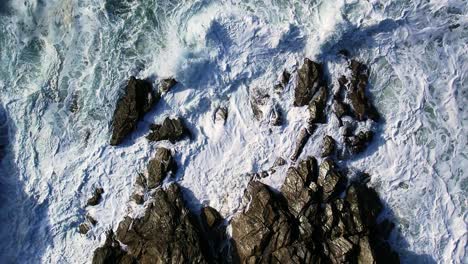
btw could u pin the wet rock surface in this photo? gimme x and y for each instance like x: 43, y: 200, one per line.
x: 159, y: 166
x: 309, y: 80
x: 138, y: 99
x: 96, y: 198
x: 317, y: 216
x: 304, y: 224
x: 167, y: 84
x: 170, y: 129
x: 167, y: 233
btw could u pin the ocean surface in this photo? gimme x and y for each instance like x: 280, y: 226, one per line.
x: 64, y: 64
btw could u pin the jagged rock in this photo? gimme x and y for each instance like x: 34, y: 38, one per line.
x: 330, y: 180
x: 138, y: 100
x: 296, y: 186
x: 304, y: 135
x: 258, y: 98
x: 310, y: 78
x: 211, y: 217
x: 317, y: 106
x: 111, y: 252
x: 263, y: 228
x: 357, y: 144
x: 279, y: 162
x: 167, y: 233
x: 328, y: 146
x: 159, y: 166
x: 96, y: 198
x: 362, y: 107
x: 91, y: 220
x: 167, y: 84
x: 171, y: 129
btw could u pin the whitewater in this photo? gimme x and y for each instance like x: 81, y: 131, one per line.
x: 64, y: 64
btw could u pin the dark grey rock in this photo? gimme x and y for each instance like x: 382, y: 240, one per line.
x: 138, y: 99
x: 317, y: 106
x: 159, y: 166
x: 84, y: 228
x: 96, y: 198
x: 111, y: 252
x: 167, y: 233
x: 171, y: 129
x: 310, y: 78
x: 303, y: 137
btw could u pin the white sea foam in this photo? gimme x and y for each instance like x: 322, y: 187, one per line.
x: 54, y: 52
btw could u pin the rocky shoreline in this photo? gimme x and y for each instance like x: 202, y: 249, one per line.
x: 318, y: 216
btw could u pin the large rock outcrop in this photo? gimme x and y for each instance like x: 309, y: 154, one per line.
x: 167, y: 233
x: 138, y: 99
x: 304, y: 224
x: 170, y: 129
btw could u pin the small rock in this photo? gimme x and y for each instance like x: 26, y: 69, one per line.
x: 276, y: 118
x: 285, y: 77
x: 91, y: 220
x: 167, y: 84
x: 328, y: 146
x: 221, y: 115
x: 96, y: 198
x: 83, y: 228
x: 171, y: 129
x: 138, y: 198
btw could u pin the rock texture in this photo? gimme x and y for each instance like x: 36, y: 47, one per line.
x: 167, y: 84
x: 96, y: 198
x: 305, y: 224
x: 170, y: 129
x: 159, y: 166
x: 309, y: 80
x: 138, y: 99
x: 167, y: 233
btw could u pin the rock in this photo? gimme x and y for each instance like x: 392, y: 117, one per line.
x: 171, y: 129
x: 310, y: 78
x: 285, y: 77
x: 279, y: 162
x: 137, y: 101
x: 167, y: 84
x: 83, y: 228
x: 357, y: 144
x: 159, y: 166
x: 296, y: 186
x: 330, y: 180
x: 138, y: 198
x: 96, y: 198
x: 276, y: 117
x: 167, y: 233
x: 328, y: 146
x: 362, y: 107
x: 211, y: 217
x: 91, y: 220
x: 304, y: 135
x: 221, y: 115
x: 317, y: 106
x: 111, y: 252
x: 263, y: 228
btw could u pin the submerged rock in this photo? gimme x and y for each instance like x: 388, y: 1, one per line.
x: 96, y: 198
x: 220, y: 115
x: 170, y: 129
x: 159, y: 166
x: 309, y: 80
x: 138, y: 99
